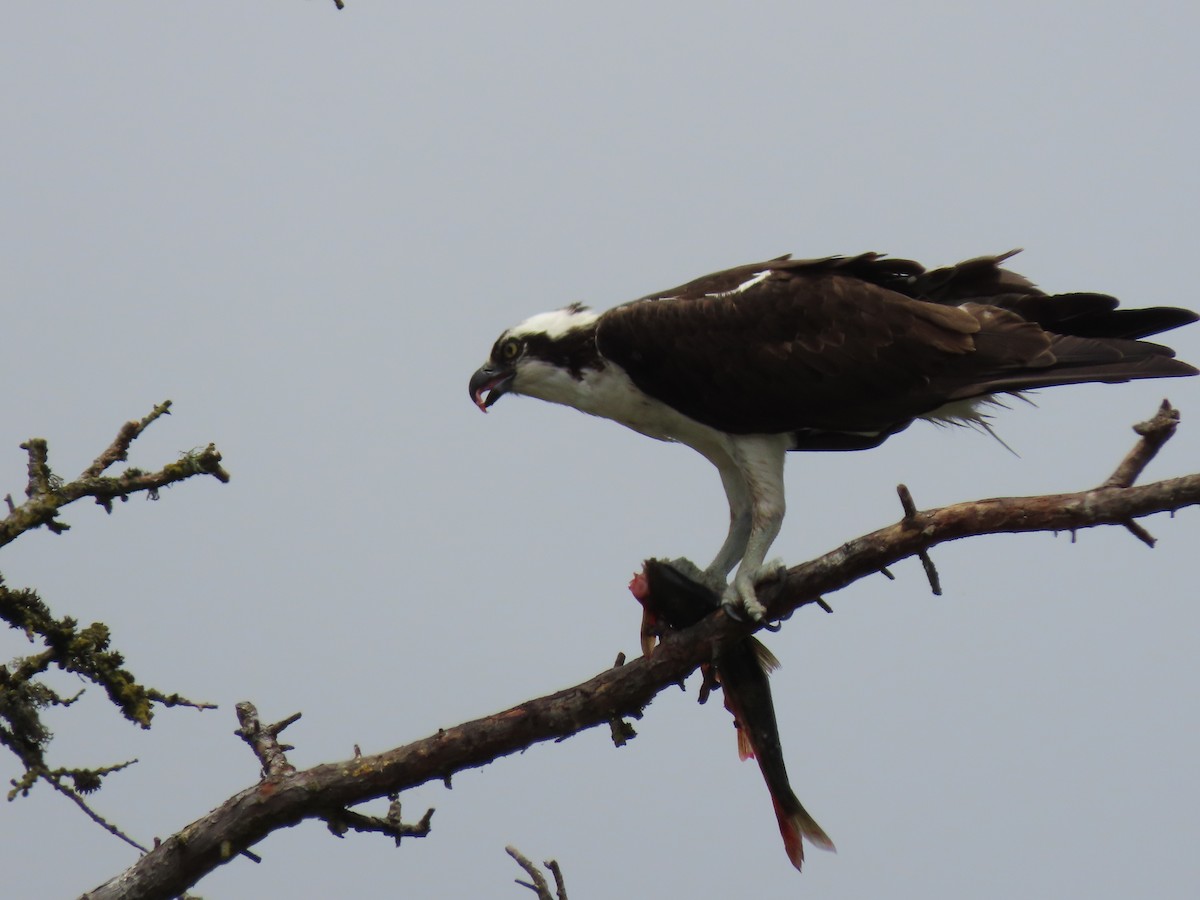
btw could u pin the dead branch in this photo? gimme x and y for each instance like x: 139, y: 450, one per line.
x: 1155, y: 432
x: 910, y: 515
x: 47, y: 493
x: 244, y: 819
x: 392, y: 825
x: 537, y: 882
x: 83, y: 651
x: 74, y: 796
x: 264, y: 740
x: 118, y: 450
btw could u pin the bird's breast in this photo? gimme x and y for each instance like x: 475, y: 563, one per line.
x: 610, y: 393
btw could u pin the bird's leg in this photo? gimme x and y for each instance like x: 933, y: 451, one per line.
x: 737, y: 492
x: 760, y: 461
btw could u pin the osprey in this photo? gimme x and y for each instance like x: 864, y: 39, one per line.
x: 827, y: 354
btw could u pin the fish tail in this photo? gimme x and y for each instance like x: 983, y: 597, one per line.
x: 795, y: 823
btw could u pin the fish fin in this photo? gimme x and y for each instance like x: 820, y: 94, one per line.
x: 765, y: 657
x: 799, y: 824
x: 745, y: 747
x: 648, y: 633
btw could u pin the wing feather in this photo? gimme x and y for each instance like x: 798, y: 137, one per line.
x: 801, y: 349
x: 862, y: 345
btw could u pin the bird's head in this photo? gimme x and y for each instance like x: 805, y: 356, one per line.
x: 542, y: 357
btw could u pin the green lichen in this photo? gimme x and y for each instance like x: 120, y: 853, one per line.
x: 24, y: 695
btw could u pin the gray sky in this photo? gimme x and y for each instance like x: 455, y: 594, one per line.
x: 307, y: 227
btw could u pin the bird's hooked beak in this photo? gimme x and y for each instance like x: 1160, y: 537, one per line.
x: 489, y: 383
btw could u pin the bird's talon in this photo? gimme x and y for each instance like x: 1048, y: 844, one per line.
x: 740, y: 597
x: 734, y: 610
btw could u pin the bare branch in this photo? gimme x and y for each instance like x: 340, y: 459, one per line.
x: 391, y: 825
x: 48, y: 494
x: 177, y: 700
x: 247, y: 817
x: 264, y: 740
x: 539, y: 884
x: 118, y: 450
x: 622, y: 732
x: 75, y: 798
x: 1155, y: 432
x: 559, y: 884
x: 1012, y: 515
x: 39, y: 466
x: 84, y: 651
x: 910, y: 518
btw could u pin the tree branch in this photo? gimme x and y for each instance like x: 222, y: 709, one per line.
x: 537, y: 882
x: 246, y: 818
x: 118, y: 450
x: 73, y: 795
x: 1154, y: 432
x: 264, y: 740
x: 84, y: 651
x: 47, y: 493
x: 343, y: 820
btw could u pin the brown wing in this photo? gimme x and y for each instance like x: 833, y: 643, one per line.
x: 801, y: 349
x: 902, y: 275
x: 843, y: 345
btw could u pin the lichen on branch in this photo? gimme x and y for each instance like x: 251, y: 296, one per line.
x: 84, y: 651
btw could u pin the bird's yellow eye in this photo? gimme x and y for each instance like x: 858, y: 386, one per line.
x: 510, y: 350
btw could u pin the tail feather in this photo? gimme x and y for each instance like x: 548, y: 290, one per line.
x: 1015, y: 354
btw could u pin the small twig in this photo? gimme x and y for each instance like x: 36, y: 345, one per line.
x: 178, y: 700
x: 931, y: 572
x: 42, y: 484
x: 264, y: 740
x: 539, y: 884
x: 622, y: 732
x: 1140, y: 533
x: 1154, y: 432
x: 560, y: 883
x: 118, y: 450
x: 91, y: 813
x: 391, y: 825
x: 38, y: 468
x: 910, y: 519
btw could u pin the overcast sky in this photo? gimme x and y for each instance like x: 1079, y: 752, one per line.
x: 307, y: 227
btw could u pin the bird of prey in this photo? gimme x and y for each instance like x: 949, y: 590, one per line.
x: 671, y: 601
x: 824, y: 354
